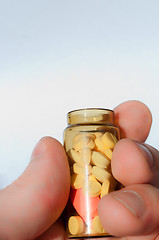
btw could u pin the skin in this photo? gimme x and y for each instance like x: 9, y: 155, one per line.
x: 31, y: 206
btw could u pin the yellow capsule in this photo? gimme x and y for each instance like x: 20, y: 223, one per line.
x: 108, y: 152
x: 100, y: 160
x: 98, y: 134
x: 81, y: 143
x: 83, y: 135
x: 77, y: 181
x: 86, y: 170
x: 92, y: 187
x: 85, y: 156
x: 114, y: 138
x: 73, y: 155
x: 105, y: 188
x: 97, y: 225
x: 76, y: 225
x: 100, y: 174
x: 91, y: 144
x: 99, y: 144
x: 108, y: 140
x: 84, y: 142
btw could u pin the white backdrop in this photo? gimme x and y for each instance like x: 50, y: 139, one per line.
x: 56, y: 56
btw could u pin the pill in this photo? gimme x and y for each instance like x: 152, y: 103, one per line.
x: 108, y: 185
x: 99, y: 144
x: 105, y: 188
x: 81, y: 202
x: 92, y: 187
x: 78, y: 136
x: 77, y: 181
x: 97, y: 225
x: 100, y: 174
x: 114, y: 138
x: 82, y: 135
x: 76, y: 225
x: 92, y: 136
x: 86, y: 170
x: 100, y: 160
x: 91, y: 144
x: 98, y: 134
x: 108, y: 140
x: 81, y: 143
x: 108, y: 152
x: 85, y: 156
x: 73, y: 155
x: 82, y: 140
x: 85, y: 142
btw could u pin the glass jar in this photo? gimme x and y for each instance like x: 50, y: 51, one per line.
x: 89, y: 141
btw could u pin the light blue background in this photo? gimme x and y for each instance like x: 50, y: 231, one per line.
x: 56, y: 56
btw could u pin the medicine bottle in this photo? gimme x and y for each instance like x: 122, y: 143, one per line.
x: 89, y: 141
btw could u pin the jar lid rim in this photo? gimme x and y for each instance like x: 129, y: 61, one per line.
x: 89, y: 109
x: 90, y: 115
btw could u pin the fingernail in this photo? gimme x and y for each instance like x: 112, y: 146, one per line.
x: 147, y: 154
x: 131, y: 200
x: 39, y: 150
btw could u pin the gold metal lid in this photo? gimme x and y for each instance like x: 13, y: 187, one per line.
x: 91, y: 116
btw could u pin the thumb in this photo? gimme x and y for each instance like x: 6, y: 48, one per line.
x: 37, y: 198
x: 132, y: 211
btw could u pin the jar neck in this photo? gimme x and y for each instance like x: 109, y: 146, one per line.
x: 91, y: 116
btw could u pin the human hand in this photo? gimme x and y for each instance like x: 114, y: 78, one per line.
x: 33, y: 202
x: 31, y: 205
x: 133, y: 212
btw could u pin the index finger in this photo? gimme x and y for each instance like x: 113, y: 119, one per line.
x: 134, y: 120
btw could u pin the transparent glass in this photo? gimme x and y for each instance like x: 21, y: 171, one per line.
x: 89, y: 141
